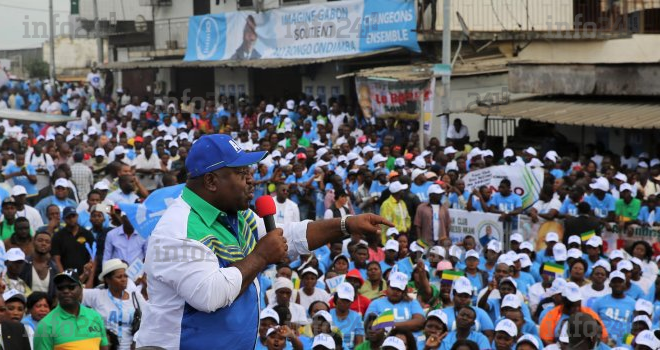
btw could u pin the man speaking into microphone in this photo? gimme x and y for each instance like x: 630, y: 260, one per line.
x: 207, y: 250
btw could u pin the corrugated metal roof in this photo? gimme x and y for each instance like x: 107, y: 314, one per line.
x: 599, y: 112
x: 261, y: 63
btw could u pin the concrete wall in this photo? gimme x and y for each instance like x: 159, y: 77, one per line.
x: 120, y: 10
x: 225, y: 78
x: 73, y: 54
x: 325, y: 81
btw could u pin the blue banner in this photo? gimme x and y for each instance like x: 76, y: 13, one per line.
x: 145, y: 216
x: 307, y: 31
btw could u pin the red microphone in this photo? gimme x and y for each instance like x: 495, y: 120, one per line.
x: 265, y: 208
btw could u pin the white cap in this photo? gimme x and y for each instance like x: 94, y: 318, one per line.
x: 438, y: 250
x: 574, y: 253
x: 642, y: 164
x: 530, y: 150
x: 416, y: 173
x: 13, y: 293
x: 91, y: 131
x: 425, y: 153
x: 595, y: 241
x: 526, y: 338
x: 559, y: 252
x: 345, y: 291
x: 507, y: 326
x: 393, y: 342
x: 284, y: 111
x: 510, y: 280
x: 644, y: 305
x: 644, y: 155
x: 309, y: 270
x: 643, y: 318
x: 511, y: 255
x: 419, y: 162
x: 321, y: 163
x: 558, y: 285
x: 391, y: 232
x: 572, y: 292
x: 616, y: 254
x: 396, y: 187
x: 351, y: 156
x: 324, y: 340
x: 398, y: 280
x: 624, y: 265
x: 636, y: 261
x: 512, y: 301
x: 269, y: 313
x: 535, y: 163
x: 368, y: 149
x: 450, y: 150
x: 495, y: 246
x: 601, y: 183
x: 527, y: 245
x: 654, y: 162
x: 439, y: 314
x: 392, y: 245
x: 379, y: 158
x: 18, y: 190
x: 487, y: 153
x: 455, y: 251
x: 271, y: 330
x: 504, y: 259
x: 62, y: 182
x: 574, y: 239
x: 551, y: 237
x: 15, y: 254
x: 119, y: 150
x: 602, y: 263
x: 101, y: 185
x: 325, y: 315
x: 626, y: 187
x: 552, y: 155
x: 282, y: 283
x: 414, y: 247
x: 99, y: 152
x: 462, y: 285
x: 647, y: 338
x: 435, y: 189
x: 319, y: 153
x: 516, y: 237
x: 471, y: 254
x: 508, y: 153
x: 290, y: 104
x: 621, y: 177
x: 525, y: 261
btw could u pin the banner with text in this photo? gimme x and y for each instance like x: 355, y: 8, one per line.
x: 484, y: 227
x: 525, y: 182
x: 396, y: 99
x: 306, y: 31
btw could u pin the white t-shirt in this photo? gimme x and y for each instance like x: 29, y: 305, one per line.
x: 54, y: 108
x: 113, y: 312
x: 94, y: 79
x: 286, y: 212
x: 318, y: 295
x: 328, y: 213
x: 436, y: 221
x: 544, y: 207
x: 535, y: 292
x: 452, y: 133
x: 142, y: 162
x: 589, y: 293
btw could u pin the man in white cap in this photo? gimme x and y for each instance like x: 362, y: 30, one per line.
x: 432, y: 219
x: 394, y: 208
x: 627, y: 207
x: 23, y: 210
x: 60, y: 197
x: 601, y: 201
x: 283, y: 288
x: 346, y: 320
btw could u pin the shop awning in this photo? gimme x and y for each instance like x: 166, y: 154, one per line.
x: 262, y: 63
x: 35, y: 117
x: 610, y: 112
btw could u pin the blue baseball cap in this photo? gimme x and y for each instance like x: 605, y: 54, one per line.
x: 212, y: 152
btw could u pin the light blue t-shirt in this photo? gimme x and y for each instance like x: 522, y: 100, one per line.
x: 601, y: 208
x: 506, y: 204
x: 453, y: 199
x: 476, y: 337
x: 350, y: 327
x: 403, y: 310
x: 23, y: 180
x: 524, y: 281
x: 644, y: 215
x: 421, y: 191
x: 568, y: 207
x: 617, y: 315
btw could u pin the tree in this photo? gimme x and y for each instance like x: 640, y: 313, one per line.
x: 37, y: 69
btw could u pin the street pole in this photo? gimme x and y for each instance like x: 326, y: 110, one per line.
x: 97, y: 29
x: 446, y: 60
x: 51, y: 42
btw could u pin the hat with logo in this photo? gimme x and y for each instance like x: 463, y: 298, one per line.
x: 462, y: 285
x: 18, y: 190
x: 435, y: 189
x: 647, y: 338
x: 346, y: 291
x: 398, y: 280
x: 61, y: 182
x: 471, y: 254
x: 325, y: 315
x: 601, y: 183
x: 624, y: 265
x: 269, y: 313
x: 68, y: 275
x: 101, y: 186
x: 527, y: 245
x: 440, y: 315
x: 69, y: 211
x: 507, y: 326
x: 13, y: 294
x: 325, y: 341
x: 574, y: 239
x: 494, y: 246
x: 393, y: 342
x: 572, y: 292
x: 438, y: 250
x: 644, y: 306
x: 617, y: 274
x: 392, y: 245
x: 603, y: 264
x: 512, y: 301
x: 525, y: 261
x: 212, y: 152
x: 529, y: 339
x: 551, y: 237
x: 15, y: 254
x: 516, y: 237
x: 574, y: 253
x: 530, y: 150
x: 559, y: 252
x: 616, y: 254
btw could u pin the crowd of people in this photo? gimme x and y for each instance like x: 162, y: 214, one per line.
x: 68, y: 246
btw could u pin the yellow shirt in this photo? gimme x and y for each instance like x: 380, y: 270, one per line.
x: 397, y: 213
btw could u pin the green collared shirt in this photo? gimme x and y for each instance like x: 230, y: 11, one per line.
x: 60, y: 330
